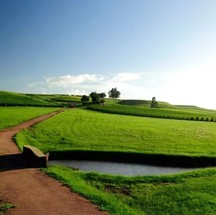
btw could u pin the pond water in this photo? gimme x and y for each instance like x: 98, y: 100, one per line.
x: 127, y: 169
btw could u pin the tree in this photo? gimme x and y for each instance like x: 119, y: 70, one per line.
x: 95, y: 97
x: 85, y: 99
x: 102, y: 95
x: 102, y: 101
x: 154, y: 103
x: 114, y: 93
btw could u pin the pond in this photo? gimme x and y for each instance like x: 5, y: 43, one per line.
x: 127, y: 169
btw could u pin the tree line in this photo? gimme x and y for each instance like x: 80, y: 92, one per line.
x: 98, y: 98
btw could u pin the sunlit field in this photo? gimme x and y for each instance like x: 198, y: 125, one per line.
x: 10, y: 116
x: 173, y: 112
x: 89, y: 130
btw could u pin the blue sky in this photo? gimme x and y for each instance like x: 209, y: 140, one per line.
x: 145, y: 48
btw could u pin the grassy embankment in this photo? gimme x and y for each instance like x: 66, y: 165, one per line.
x: 185, y: 193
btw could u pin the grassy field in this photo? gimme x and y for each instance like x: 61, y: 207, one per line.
x: 90, y: 130
x: 144, y: 103
x: 18, y: 99
x: 56, y: 98
x: 185, y: 193
x: 196, y: 114
x: 10, y: 116
x: 129, y: 131
x: 37, y: 100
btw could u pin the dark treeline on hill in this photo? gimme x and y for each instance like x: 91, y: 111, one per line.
x: 98, y: 98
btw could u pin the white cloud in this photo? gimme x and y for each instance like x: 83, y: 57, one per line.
x: 88, y: 79
x: 193, y: 85
x: 85, y: 83
x: 68, y: 80
x: 125, y: 77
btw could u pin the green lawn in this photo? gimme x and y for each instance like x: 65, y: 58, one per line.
x: 10, y: 116
x: 90, y: 130
x: 185, y: 193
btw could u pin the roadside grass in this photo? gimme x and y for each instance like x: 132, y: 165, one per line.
x: 10, y: 116
x: 4, y: 206
x: 195, y: 114
x: 81, y: 129
x: 186, y: 193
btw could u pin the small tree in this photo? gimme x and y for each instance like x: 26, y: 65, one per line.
x: 114, y: 93
x: 102, y: 95
x: 102, y: 101
x: 85, y: 99
x: 154, y: 103
x: 95, y: 97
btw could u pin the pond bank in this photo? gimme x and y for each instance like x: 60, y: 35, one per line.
x: 136, y: 158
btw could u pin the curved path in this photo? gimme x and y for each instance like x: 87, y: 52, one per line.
x: 29, y: 189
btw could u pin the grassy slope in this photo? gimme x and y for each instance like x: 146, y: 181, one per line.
x: 18, y: 99
x: 89, y: 130
x: 197, y: 114
x: 144, y: 103
x: 187, y: 193
x: 56, y: 97
x: 10, y: 116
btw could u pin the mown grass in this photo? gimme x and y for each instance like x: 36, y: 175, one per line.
x: 10, y: 116
x: 196, y: 114
x: 81, y: 129
x: 185, y: 193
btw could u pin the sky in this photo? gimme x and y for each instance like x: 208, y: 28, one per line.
x: 145, y: 48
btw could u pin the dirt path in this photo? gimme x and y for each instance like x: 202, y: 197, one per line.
x: 33, y: 192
